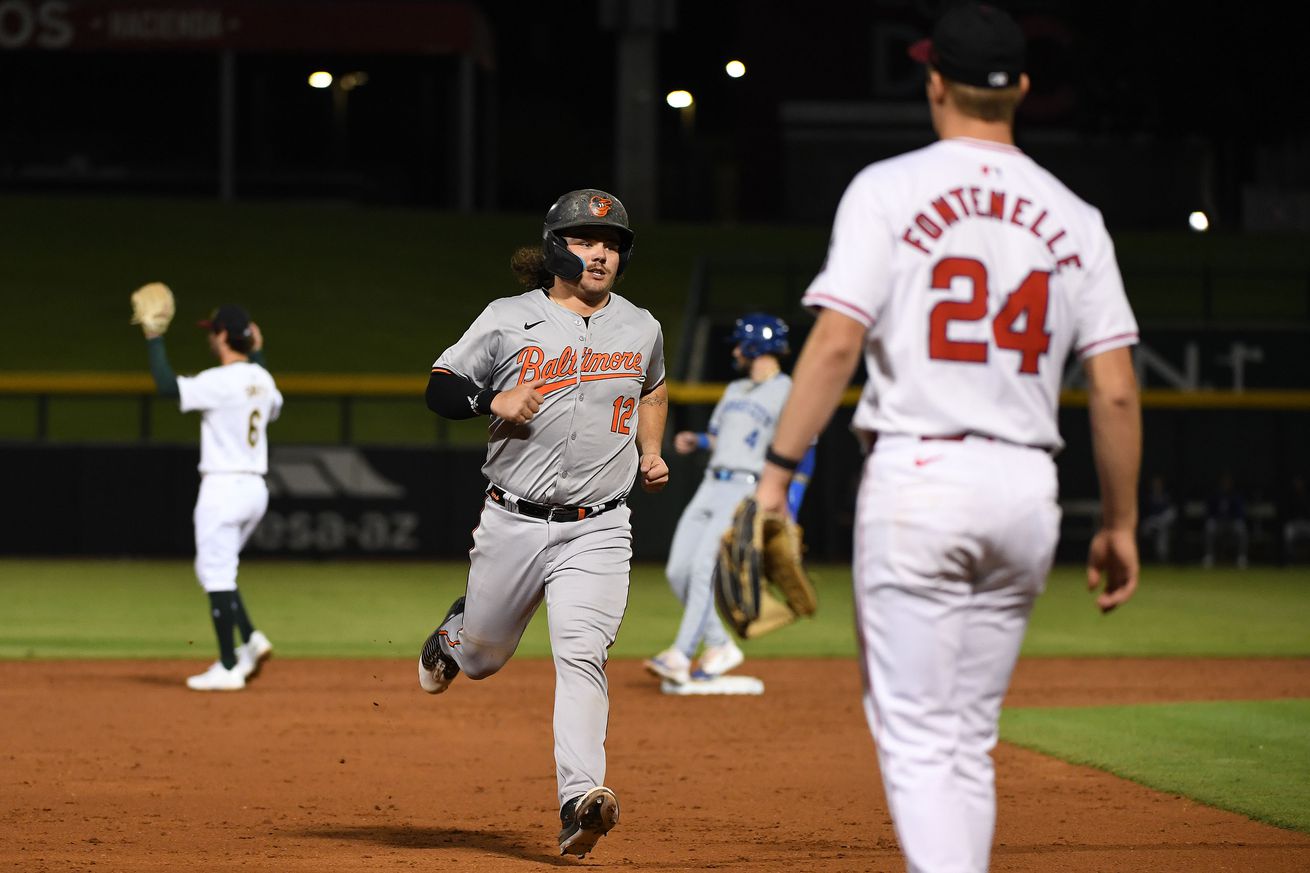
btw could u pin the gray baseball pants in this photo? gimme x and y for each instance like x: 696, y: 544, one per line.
x: 694, y: 553
x: 581, y: 568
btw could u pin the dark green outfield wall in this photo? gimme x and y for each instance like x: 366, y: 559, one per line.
x: 335, y: 500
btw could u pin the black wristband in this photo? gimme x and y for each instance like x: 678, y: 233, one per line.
x: 482, y: 401
x: 779, y: 461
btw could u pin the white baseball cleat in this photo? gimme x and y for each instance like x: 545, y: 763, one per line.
x: 718, y: 660
x: 252, y: 654
x: 670, y: 664
x: 217, y: 678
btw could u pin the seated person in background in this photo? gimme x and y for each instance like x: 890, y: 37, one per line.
x: 1296, y: 517
x: 1227, y: 517
x: 1159, y: 514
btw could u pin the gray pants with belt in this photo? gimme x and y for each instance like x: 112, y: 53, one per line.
x: 693, y: 555
x: 581, y: 568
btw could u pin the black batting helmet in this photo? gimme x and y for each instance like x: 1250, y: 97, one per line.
x: 588, y: 207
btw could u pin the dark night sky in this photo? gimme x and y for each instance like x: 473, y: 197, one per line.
x: 1152, y: 72
x: 1157, y: 67
x: 1149, y: 71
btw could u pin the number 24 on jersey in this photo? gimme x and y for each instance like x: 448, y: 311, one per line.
x: 1029, y: 300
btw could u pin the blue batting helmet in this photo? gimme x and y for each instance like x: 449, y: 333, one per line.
x: 760, y: 334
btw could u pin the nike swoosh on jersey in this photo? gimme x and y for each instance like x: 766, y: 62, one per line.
x: 923, y: 462
x: 527, y: 326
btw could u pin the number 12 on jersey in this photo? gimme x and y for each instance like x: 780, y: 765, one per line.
x: 623, y: 408
x: 1029, y: 299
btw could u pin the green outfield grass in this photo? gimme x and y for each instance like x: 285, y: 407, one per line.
x: 129, y: 608
x: 1251, y: 757
x: 125, y: 608
x: 1179, y: 611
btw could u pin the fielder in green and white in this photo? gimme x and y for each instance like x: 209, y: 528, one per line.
x: 236, y: 400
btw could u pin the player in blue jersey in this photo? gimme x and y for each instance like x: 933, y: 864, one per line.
x: 740, y: 430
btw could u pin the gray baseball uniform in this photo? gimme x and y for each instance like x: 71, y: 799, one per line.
x: 742, y: 423
x: 578, y: 451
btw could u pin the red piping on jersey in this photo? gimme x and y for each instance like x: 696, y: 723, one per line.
x: 1109, y: 339
x: 837, y: 303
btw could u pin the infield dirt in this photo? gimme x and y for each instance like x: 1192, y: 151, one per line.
x: 346, y: 765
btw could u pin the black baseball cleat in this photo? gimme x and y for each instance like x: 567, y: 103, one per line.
x: 586, y: 818
x: 436, y: 669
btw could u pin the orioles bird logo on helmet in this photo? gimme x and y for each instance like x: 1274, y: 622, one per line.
x: 599, y: 206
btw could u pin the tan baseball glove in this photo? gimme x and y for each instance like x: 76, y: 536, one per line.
x: 759, y: 582
x: 153, y: 308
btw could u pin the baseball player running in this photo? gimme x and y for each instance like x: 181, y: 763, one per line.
x: 572, y: 377
x: 236, y: 401
x: 740, y: 429
x: 966, y: 274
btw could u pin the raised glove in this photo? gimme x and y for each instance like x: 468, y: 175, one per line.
x: 153, y: 308
x: 759, y: 582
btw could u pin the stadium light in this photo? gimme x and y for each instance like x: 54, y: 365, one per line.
x: 735, y: 69
x: 320, y: 79
x: 679, y: 99
x: 1198, y: 221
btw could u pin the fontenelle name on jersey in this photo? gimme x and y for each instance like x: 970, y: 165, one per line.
x: 594, y: 365
x: 971, y: 201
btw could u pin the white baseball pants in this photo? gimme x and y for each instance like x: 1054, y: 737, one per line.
x: 954, y: 540
x: 227, y: 511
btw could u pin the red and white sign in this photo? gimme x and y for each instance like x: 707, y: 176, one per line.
x: 382, y: 27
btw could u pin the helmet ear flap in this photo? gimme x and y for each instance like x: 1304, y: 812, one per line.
x: 568, y: 266
x: 559, y: 260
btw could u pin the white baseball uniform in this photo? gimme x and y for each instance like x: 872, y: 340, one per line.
x: 578, y: 451
x: 742, y: 423
x: 236, y: 401
x: 976, y: 273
